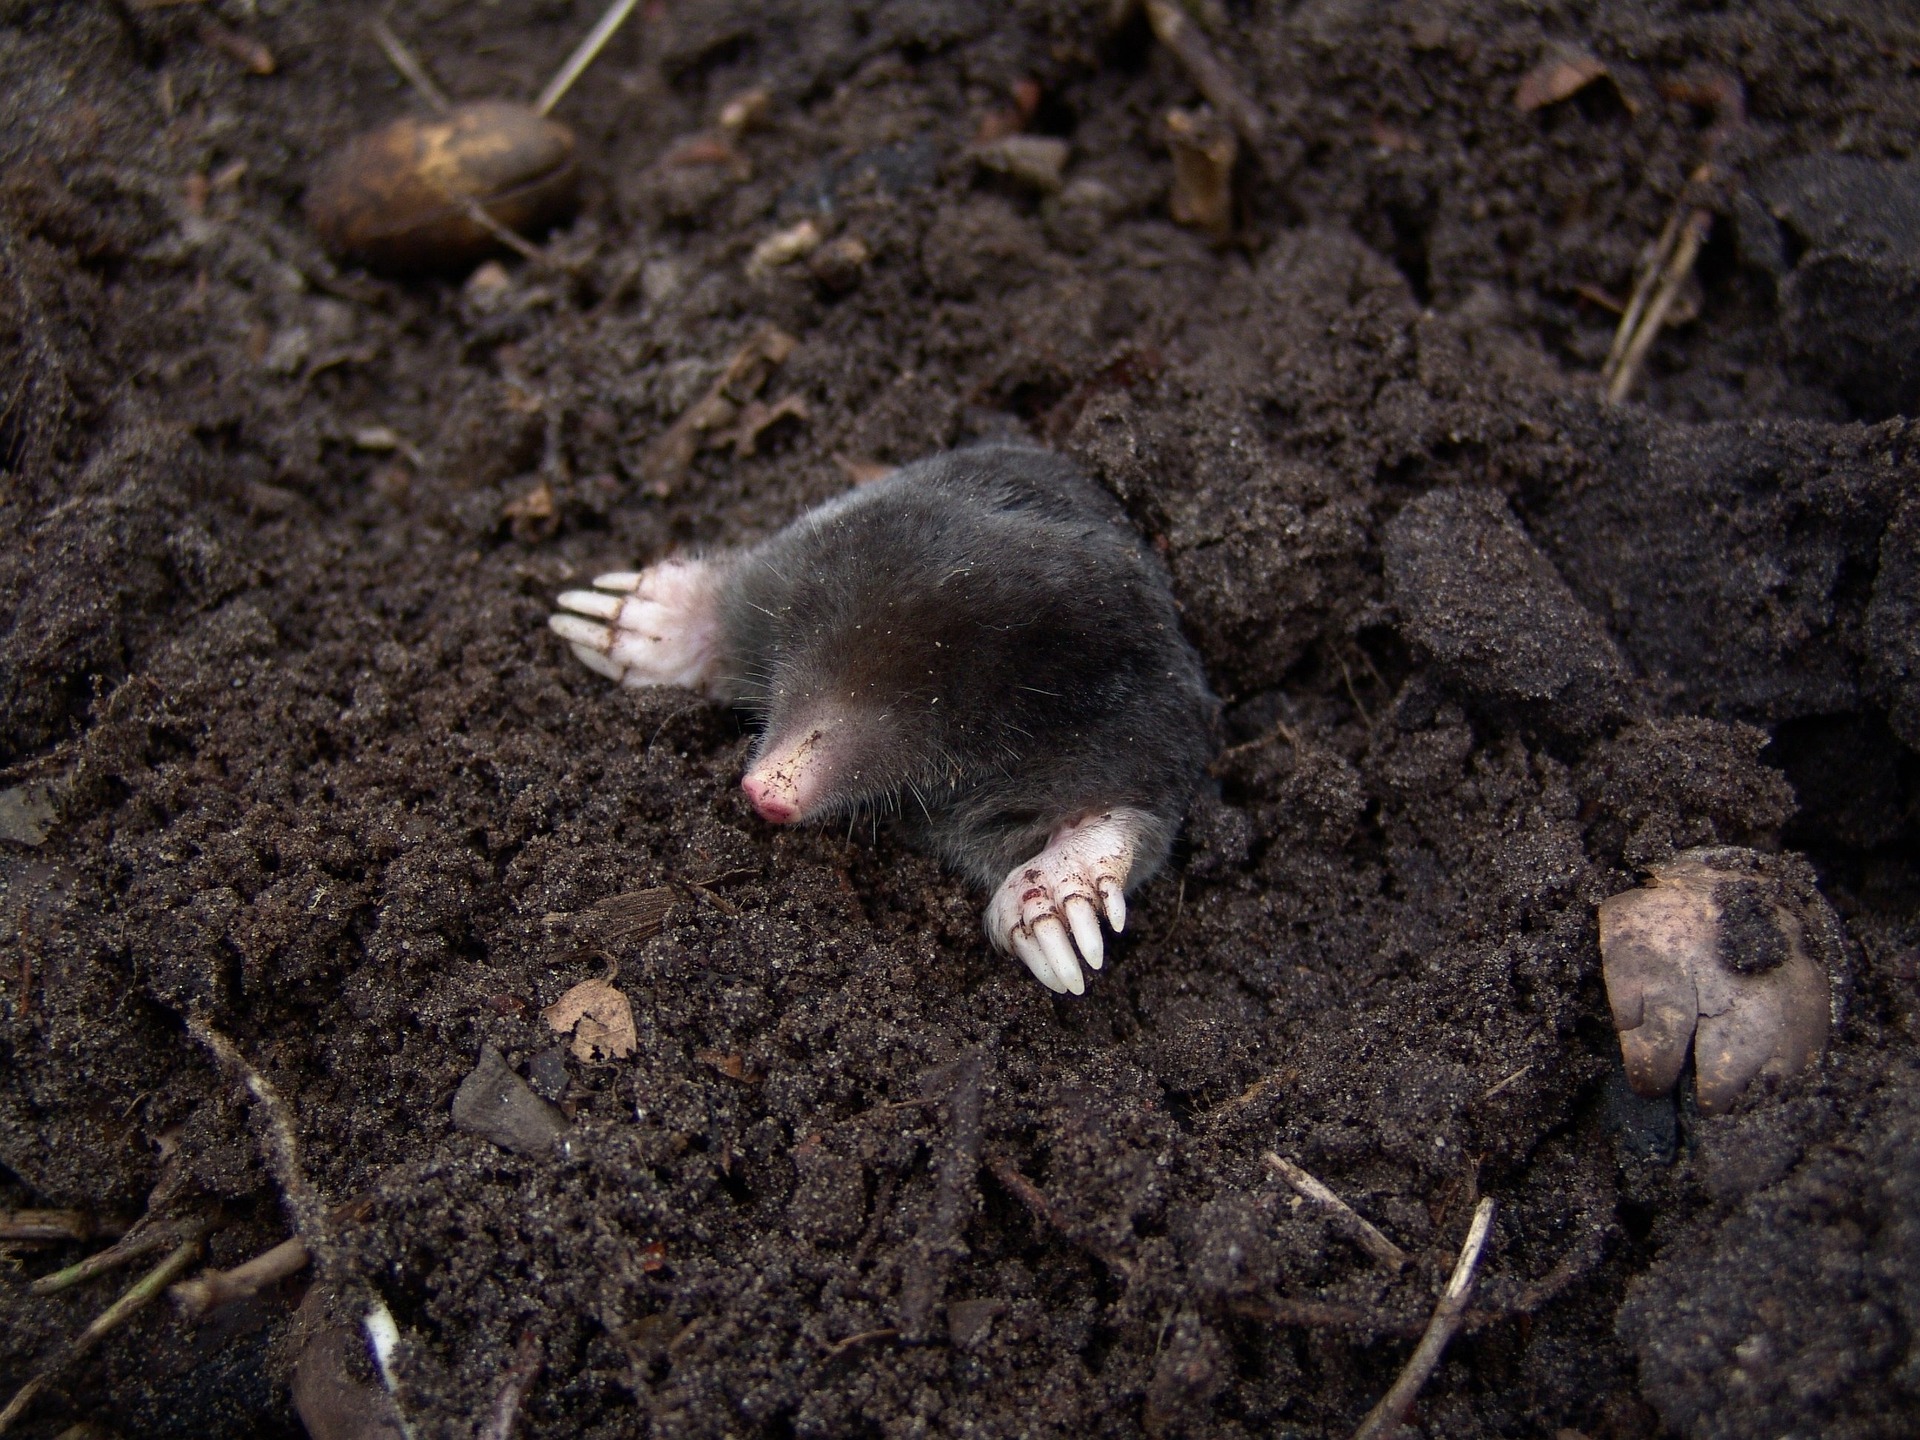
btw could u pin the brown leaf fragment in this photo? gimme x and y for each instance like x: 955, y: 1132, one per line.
x: 757, y: 417
x: 244, y: 48
x: 709, y: 420
x: 1564, y: 73
x: 600, y: 1019
x: 730, y: 1063
x: 533, y: 516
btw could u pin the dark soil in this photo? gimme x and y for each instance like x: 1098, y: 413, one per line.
x: 1487, y: 646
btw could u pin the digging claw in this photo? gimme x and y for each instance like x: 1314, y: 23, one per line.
x: 645, y: 627
x: 1048, y: 910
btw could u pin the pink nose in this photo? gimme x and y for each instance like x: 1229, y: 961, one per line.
x: 769, y: 799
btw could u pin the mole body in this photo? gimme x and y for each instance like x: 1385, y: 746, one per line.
x: 979, y: 644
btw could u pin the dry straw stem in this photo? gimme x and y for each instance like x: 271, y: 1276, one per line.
x: 48, y: 1226
x: 409, y: 66
x: 1173, y: 29
x: 583, y: 54
x: 1654, y: 292
x: 1385, y: 1418
x: 1371, y: 1239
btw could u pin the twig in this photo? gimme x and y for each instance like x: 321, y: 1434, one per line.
x: 583, y: 54
x: 44, y: 1226
x: 409, y: 66
x: 518, y: 1380
x: 840, y: 1347
x: 923, y: 1282
x: 1253, y: 1092
x: 1322, y: 1315
x: 1387, y: 1416
x: 1031, y: 1196
x: 211, y: 1289
x: 1173, y: 29
x: 1371, y: 1239
x: 279, y: 1144
x: 143, y: 1293
x: 1503, y: 1084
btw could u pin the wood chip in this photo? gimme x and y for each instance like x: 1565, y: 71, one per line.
x: 1562, y: 75
x: 632, y: 916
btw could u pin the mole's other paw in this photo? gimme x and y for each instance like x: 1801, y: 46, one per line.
x: 1049, y: 908
x: 658, y: 626
x: 1717, y: 953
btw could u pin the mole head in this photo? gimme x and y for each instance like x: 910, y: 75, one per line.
x: 817, y: 760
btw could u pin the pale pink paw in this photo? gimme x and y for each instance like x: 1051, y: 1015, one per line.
x: 1048, y: 911
x: 658, y: 626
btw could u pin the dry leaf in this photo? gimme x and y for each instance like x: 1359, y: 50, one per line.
x: 730, y: 1063
x: 600, y: 1019
x: 1564, y: 73
x: 533, y: 516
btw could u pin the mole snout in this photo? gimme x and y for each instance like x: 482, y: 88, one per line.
x: 791, y: 776
x: 977, y: 647
x: 768, y: 800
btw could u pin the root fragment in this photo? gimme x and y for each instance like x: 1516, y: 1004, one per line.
x: 1362, y: 1229
x: 1385, y: 1418
x: 211, y: 1289
x: 141, y: 1294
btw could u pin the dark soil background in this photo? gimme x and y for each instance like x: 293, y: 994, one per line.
x: 274, y: 638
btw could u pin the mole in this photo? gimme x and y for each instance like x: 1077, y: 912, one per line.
x: 978, y: 645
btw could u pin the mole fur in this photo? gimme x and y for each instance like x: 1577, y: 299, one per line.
x: 1001, y: 651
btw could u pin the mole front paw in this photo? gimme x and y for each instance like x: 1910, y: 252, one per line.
x: 657, y: 626
x: 1048, y: 910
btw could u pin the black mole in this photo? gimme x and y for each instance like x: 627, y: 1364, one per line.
x: 978, y: 643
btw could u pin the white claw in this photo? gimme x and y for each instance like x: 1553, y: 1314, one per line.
x: 1052, y: 936
x: 1030, y: 955
x: 577, y: 630
x: 661, y: 625
x: 1050, y: 907
x: 591, y: 602
x: 598, y: 663
x: 1084, y: 921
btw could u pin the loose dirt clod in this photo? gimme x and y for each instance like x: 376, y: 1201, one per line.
x: 1034, y: 162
